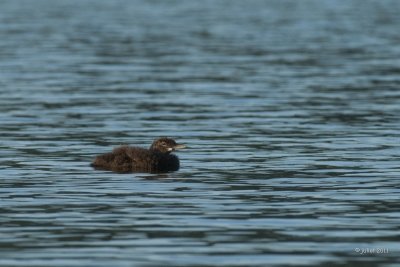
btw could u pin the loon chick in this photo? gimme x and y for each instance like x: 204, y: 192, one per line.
x: 125, y: 159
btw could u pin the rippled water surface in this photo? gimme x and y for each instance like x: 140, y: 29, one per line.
x: 290, y: 110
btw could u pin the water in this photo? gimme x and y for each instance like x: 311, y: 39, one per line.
x: 290, y: 110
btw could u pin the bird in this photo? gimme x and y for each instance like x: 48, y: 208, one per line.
x: 126, y: 159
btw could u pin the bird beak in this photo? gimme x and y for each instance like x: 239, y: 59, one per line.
x: 179, y: 146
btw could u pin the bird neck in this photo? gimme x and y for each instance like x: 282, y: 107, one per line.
x: 155, y: 149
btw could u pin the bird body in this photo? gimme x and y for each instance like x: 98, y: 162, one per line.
x: 125, y: 159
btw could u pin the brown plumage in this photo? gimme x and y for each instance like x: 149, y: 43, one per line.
x: 135, y: 159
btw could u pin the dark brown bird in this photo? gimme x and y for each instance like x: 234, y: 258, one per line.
x: 157, y: 159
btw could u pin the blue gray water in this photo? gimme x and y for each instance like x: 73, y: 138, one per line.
x: 290, y: 110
